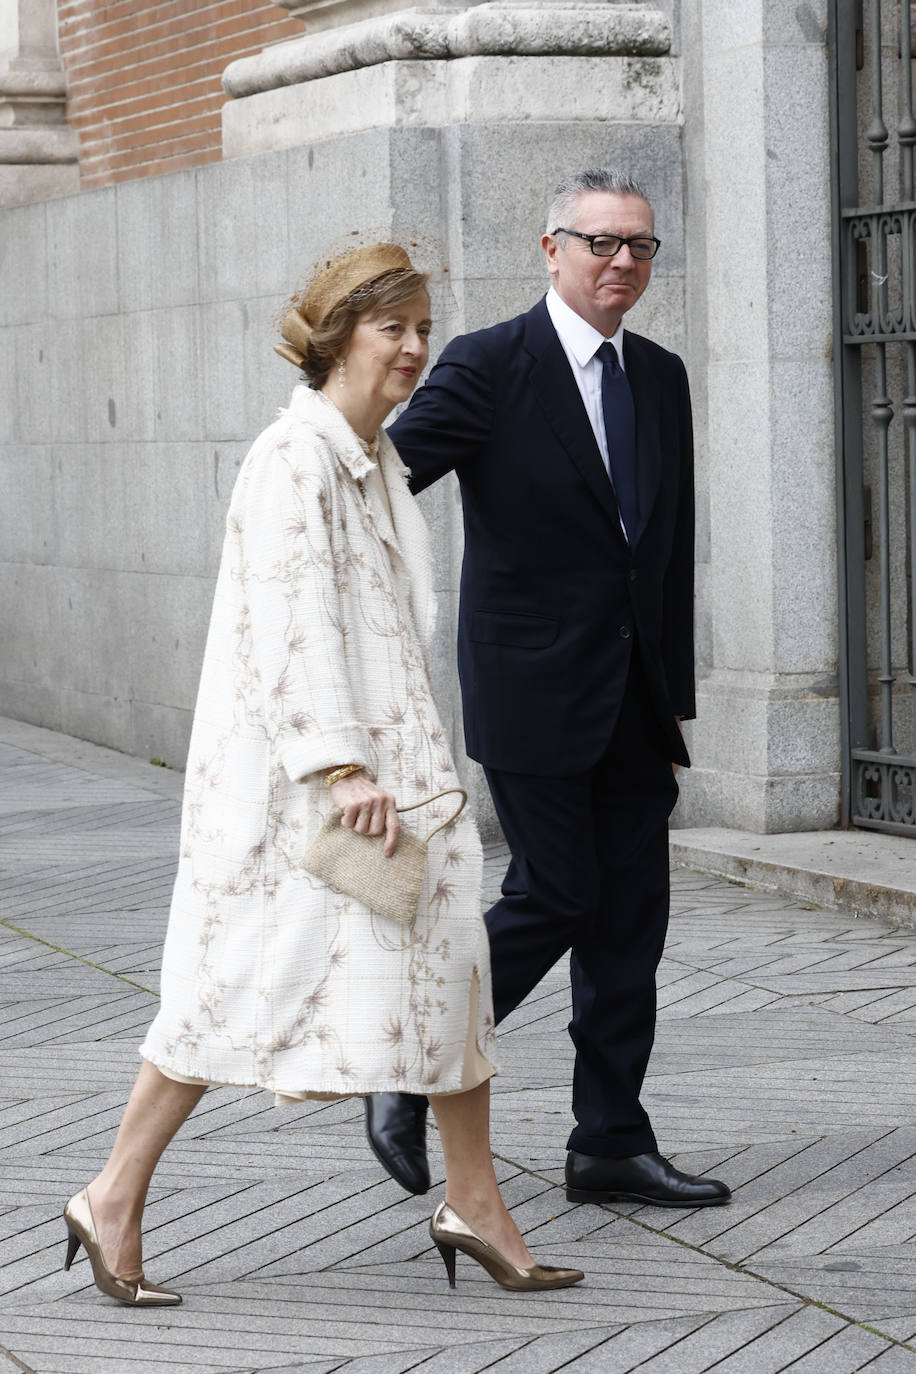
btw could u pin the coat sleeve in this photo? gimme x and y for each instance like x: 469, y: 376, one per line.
x: 294, y: 562
x: 449, y: 418
x: 677, y: 629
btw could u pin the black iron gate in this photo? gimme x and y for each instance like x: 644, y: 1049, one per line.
x: 874, y: 147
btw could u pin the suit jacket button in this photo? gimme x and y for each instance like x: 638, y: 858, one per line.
x: 632, y: 574
x: 624, y: 632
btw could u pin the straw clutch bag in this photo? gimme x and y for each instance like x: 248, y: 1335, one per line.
x: 356, y: 865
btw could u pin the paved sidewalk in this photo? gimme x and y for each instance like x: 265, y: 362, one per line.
x: 784, y: 1063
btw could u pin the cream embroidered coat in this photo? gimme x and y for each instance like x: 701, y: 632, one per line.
x: 316, y: 656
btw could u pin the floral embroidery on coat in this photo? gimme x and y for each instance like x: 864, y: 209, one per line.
x: 316, y: 656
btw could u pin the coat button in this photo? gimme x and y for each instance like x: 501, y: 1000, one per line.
x: 633, y: 574
x: 624, y: 632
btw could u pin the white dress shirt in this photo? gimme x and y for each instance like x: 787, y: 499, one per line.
x: 581, y: 342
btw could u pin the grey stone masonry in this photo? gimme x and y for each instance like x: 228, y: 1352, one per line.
x: 136, y: 332
x: 436, y: 33
x: 766, y: 740
x: 38, y: 149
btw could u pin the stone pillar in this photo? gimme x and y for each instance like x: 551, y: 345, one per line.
x: 38, y: 149
x: 444, y: 65
x: 766, y: 742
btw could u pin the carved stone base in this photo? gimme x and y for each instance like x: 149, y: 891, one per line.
x: 38, y: 149
x: 766, y: 753
x: 23, y: 183
x: 484, y: 90
x: 435, y: 33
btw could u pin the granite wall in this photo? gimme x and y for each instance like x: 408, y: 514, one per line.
x: 136, y: 367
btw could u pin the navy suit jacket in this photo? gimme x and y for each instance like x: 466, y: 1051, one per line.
x: 553, y: 598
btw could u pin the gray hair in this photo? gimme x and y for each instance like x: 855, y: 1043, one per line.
x: 566, y: 196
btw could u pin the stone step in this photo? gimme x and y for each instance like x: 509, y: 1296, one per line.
x: 860, y: 871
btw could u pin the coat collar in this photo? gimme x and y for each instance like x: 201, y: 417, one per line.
x: 400, y: 523
x: 324, y: 417
x: 558, y: 396
x: 389, y: 504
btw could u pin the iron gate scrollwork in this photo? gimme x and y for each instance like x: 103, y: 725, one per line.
x: 874, y: 150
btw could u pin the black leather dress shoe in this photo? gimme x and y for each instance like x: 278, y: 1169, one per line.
x: 640, y: 1178
x: 396, y: 1127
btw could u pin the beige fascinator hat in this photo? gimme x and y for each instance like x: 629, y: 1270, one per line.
x: 333, y: 281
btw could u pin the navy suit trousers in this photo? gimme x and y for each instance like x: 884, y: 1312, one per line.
x: 589, y: 874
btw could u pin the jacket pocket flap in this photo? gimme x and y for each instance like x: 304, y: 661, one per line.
x: 514, y: 628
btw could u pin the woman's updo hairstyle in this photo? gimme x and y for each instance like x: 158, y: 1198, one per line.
x: 317, y: 323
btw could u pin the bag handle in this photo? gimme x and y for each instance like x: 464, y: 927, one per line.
x: 426, y: 801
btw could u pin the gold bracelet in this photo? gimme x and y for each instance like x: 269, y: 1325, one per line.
x: 336, y: 774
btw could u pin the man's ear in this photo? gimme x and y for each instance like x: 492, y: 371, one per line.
x: 551, y: 247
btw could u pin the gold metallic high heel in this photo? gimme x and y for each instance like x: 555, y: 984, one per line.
x: 451, y: 1233
x: 81, y: 1231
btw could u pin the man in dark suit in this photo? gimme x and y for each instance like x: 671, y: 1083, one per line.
x: 573, y: 445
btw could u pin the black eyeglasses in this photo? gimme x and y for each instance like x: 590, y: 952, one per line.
x: 642, y: 247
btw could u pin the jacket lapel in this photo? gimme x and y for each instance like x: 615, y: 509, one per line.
x: 378, y: 504
x: 646, y: 399
x: 394, y: 513
x: 407, y: 534
x: 558, y: 398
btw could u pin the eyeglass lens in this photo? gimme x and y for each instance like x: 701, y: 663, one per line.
x: 607, y: 246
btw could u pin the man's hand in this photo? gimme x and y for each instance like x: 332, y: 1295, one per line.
x: 367, y: 809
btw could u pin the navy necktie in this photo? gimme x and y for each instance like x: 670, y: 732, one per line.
x: 620, y: 430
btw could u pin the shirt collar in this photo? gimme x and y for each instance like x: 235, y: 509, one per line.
x: 576, y: 334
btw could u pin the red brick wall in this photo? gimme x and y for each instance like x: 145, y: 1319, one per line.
x: 144, y: 78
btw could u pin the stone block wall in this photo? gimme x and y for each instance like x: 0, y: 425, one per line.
x: 136, y: 367
x: 766, y: 742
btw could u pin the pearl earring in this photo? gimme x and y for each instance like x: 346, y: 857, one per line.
x: 342, y: 374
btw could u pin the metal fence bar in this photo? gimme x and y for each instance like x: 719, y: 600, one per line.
x: 909, y: 419
x: 882, y: 413
x: 906, y: 126
x: 906, y: 135
x: 875, y: 320
x: 876, y: 134
x: 843, y: 38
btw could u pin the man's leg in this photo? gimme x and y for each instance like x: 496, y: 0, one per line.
x: 552, y: 887
x: 612, y: 1149
x: 590, y: 871
x: 614, y: 962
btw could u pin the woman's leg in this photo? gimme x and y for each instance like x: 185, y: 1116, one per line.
x: 156, y: 1108
x: 470, y: 1181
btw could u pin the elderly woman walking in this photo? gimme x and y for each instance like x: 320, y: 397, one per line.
x: 315, y: 697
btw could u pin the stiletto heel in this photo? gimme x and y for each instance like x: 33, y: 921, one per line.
x: 81, y: 1231
x: 451, y: 1233
x: 448, y: 1255
x: 73, y: 1244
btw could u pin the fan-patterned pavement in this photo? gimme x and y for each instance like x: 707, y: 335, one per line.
x: 784, y: 1063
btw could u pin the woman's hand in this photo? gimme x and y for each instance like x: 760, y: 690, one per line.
x: 367, y: 808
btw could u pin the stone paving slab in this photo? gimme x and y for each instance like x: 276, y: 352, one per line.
x: 784, y: 1063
